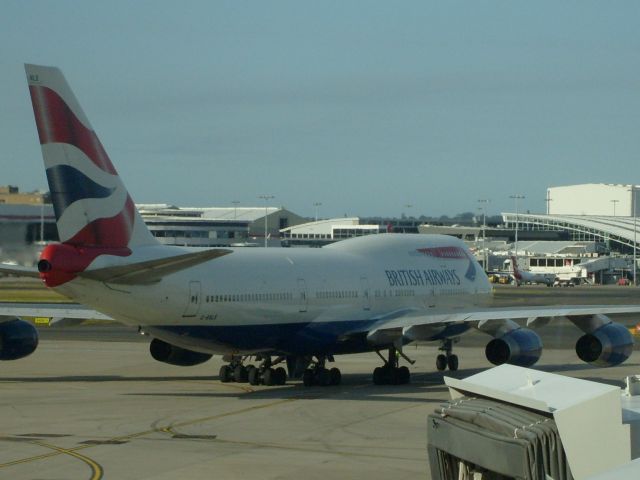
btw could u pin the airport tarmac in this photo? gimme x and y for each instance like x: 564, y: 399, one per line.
x: 88, y: 408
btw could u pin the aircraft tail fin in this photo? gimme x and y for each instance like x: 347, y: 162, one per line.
x: 516, y: 270
x: 91, y: 204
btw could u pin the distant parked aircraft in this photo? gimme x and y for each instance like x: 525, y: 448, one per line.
x: 523, y: 276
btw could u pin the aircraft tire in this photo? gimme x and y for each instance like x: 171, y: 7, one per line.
x: 386, y: 376
x: 253, y: 375
x: 307, y: 378
x: 281, y: 376
x: 335, y: 377
x: 225, y: 374
x: 378, y: 376
x: 441, y: 362
x: 322, y: 377
x: 404, y: 375
x: 240, y: 374
x: 452, y: 362
x: 268, y: 376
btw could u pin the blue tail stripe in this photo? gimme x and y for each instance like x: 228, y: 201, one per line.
x: 68, y: 185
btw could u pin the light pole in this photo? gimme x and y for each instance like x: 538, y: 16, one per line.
x: 266, y: 199
x: 516, y: 197
x: 614, y: 206
x: 42, y: 222
x: 635, y: 234
x: 317, y: 204
x: 635, y: 230
x: 235, y: 209
x: 483, y: 202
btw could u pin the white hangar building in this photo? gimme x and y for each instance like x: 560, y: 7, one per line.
x: 602, y: 199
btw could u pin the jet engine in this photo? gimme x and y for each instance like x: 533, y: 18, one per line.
x: 17, y: 339
x: 606, y: 346
x: 521, y: 347
x: 167, y: 353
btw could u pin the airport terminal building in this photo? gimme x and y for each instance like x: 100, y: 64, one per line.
x: 603, y: 213
x: 597, y: 219
x: 26, y: 228
x: 323, y: 232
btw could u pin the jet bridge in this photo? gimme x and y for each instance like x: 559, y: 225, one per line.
x: 516, y: 423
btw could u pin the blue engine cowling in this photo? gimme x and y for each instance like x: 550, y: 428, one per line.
x: 17, y: 339
x: 167, y: 353
x: 607, y: 346
x: 521, y: 347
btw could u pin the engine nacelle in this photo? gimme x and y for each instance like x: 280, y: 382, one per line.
x: 17, y: 339
x: 521, y: 347
x: 607, y: 346
x: 167, y: 353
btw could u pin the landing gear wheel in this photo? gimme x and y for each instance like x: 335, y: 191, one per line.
x: 452, y: 362
x: 225, y: 374
x: 441, y: 362
x: 335, y: 377
x: 403, y: 375
x: 280, y: 376
x: 378, y: 376
x: 253, y: 375
x: 307, y: 378
x: 385, y: 376
x: 322, y: 377
x: 269, y: 376
x: 240, y: 374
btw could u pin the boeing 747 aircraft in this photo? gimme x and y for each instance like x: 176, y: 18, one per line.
x: 277, y: 306
x: 523, y: 276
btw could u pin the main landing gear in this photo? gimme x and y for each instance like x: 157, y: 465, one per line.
x: 391, y: 373
x: 263, y: 374
x: 318, y: 374
x: 448, y: 359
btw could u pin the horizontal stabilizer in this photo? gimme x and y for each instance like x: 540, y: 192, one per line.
x: 52, y: 312
x: 151, y: 271
x: 18, y: 271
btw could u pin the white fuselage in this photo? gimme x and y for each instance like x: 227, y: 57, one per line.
x: 530, y: 277
x: 248, y: 300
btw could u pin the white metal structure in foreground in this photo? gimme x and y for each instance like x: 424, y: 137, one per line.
x: 597, y: 433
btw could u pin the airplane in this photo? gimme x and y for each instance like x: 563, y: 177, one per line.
x: 523, y: 276
x: 277, y: 306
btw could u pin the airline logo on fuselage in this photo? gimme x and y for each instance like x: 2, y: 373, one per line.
x: 449, y: 253
x: 428, y: 277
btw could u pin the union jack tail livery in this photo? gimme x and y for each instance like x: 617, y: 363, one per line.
x: 91, y: 204
x: 516, y: 271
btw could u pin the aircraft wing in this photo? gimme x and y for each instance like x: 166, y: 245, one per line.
x: 418, y: 324
x: 54, y: 311
x: 19, y: 271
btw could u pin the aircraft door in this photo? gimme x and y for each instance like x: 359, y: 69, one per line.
x: 193, y: 303
x: 366, y: 297
x: 302, y: 295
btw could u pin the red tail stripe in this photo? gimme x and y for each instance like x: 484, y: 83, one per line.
x: 57, y: 123
x: 444, y: 252
x: 114, y: 232
x: 67, y: 261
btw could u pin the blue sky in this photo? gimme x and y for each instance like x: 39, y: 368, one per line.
x: 364, y: 106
